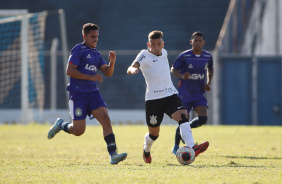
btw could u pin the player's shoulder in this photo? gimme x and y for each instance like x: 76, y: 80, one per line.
x: 78, y: 47
x: 144, y: 52
x: 186, y: 53
x: 164, y: 52
x: 207, y: 54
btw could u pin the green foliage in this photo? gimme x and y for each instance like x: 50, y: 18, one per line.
x: 237, y: 154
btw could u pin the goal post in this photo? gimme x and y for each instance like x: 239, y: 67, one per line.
x: 22, y: 64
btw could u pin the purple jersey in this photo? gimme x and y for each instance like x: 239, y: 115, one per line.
x: 193, y: 88
x: 88, y: 61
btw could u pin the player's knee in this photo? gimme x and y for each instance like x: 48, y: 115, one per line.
x: 78, y: 132
x: 153, y: 137
x: 201, y: 120
x: 184, y: 119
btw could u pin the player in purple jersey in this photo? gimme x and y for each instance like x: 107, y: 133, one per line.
x: 194, y: 68
x: 84, y: 95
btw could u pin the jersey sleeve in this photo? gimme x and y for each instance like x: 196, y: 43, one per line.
x: 177, y: 64
x: 75, y: 56
x: 140, y: 58
x: 102, y: 61
x: 210, y: 64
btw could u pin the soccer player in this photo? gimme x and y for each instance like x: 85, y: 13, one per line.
x: 161, y: 95
x: 84, y: 95
x: 194, y: 68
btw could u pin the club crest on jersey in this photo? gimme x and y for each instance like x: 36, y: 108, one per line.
x: 78, y: 111
x: 153, y: 120
x: 91, y: 67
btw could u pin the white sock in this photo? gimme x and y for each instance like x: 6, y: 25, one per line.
x: 186, y: 134
x: 147, y: 143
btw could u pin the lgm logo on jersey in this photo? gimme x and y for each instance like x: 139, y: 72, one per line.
x: 91, y: 67
x: 196, y: 76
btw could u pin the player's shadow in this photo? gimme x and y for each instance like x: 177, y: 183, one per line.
x: 231, y: 163
x: 250, y: 157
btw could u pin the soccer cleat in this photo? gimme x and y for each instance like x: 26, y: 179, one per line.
x: 174, y: 149
x: 55, y: 128
x: 147, y: 157
x: 116, y: 158
x: 200, y: 148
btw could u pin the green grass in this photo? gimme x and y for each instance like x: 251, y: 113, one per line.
x: 237, y: 154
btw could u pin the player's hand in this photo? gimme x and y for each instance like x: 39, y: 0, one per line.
x: 186, y: 75
x: 112, y: 56
x: 134, y: 70
x: 207, y: 87
x: 97, y: 77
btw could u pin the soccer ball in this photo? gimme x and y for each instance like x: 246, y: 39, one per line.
x: 185, y: 155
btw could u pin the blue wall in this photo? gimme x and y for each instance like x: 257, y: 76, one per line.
x: 237, y: 96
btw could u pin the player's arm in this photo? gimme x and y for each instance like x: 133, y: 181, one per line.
x: 133, y: 68
x: 178, y: 74
x: 207, y: 86
x: 108, y: 70
x: 74, y: 73
x: 210, y: 76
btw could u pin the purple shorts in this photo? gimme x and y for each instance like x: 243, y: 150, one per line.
x: 82, y: 104
x: 196, y: 103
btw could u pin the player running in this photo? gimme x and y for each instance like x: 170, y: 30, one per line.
x: 193, y: 67
x: 84, y: 95
x: 161, y: 95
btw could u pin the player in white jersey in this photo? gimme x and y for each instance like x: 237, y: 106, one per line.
x: 161, y: 95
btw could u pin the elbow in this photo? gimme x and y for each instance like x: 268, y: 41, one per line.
x: 69, y: 73
x: 109, y: 74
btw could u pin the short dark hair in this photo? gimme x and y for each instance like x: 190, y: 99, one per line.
x: 197, y: 33
x: 155, y: 35
x: 89, y: 26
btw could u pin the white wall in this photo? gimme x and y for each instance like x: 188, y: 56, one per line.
x: 268, y: 30
x: 118, y: 117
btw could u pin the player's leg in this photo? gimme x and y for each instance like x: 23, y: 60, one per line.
x: 154, y: 117
x: 186, y: 133
x: 201, y: 108
x: 180, y: 115
x: 100, y: 112
x: 177, y: 137
x: 78, y: 114
x: 202, y: 117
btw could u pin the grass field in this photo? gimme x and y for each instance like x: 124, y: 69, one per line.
x: 237, y: 154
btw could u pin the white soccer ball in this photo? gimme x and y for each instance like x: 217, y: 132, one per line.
x: 185, y: 155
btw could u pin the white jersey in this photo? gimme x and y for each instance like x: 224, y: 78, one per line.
x: 156, y: 72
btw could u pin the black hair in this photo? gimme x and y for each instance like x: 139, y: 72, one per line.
x: 197, y: 33
x: 89, y: 26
